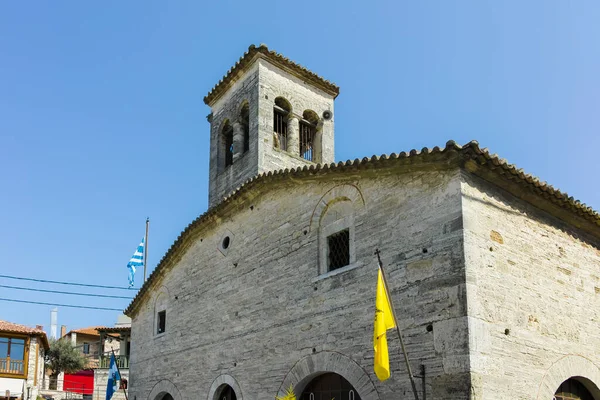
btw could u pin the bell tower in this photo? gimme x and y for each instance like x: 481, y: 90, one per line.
x: 268, y: 113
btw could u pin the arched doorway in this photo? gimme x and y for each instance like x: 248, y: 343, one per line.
x: 329, y: 386
x: 226, y: 392
x: 572, y: 389
x: 166, y: 396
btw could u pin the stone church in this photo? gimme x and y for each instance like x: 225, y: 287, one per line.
x: 495, y: 275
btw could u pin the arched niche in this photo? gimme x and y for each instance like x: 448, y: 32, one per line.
x: 303, y: 373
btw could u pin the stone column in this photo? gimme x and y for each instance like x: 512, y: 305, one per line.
x: 238, y: 140
x: 293, y: 138
x: 318, y: 145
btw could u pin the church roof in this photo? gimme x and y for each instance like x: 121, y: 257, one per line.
x: 470, y: 156
x: 276, y: 59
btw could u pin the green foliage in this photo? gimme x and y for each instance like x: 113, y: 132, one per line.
x: 63, y: 357
x: 289, y: 395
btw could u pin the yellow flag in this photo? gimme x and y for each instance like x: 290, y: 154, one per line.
x: 384, y: 320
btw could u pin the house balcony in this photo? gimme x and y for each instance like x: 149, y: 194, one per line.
x: 8, y: 366
x: 122, y: 361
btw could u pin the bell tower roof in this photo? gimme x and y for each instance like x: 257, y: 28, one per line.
x: 283, y: 63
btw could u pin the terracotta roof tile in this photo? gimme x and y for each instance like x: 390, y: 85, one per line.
x: 278, y: 60
x: 91, y: 330
x: 17, y: 328
x: 10, y: 327
x: 117, y: 329
x: 452, y: 152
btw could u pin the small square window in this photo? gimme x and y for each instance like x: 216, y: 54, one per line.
x: 161, y: 323
x: 86, y: 348
x: 338, y: 250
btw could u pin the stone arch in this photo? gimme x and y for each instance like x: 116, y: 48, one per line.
x: 221, y: 381
x: 311, y: 116
x: 311, y: 366
x: 284, y: 103
x: 162, y: 388
x: 570, y: 366
x: 342, y: 192
x: 241, y: 105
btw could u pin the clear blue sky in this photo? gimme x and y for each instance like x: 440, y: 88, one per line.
x: 102, y: 121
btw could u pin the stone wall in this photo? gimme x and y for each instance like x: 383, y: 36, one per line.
x: 260, y: 86
x: 533, y: 294
x: 277, y: 83
x: 223, y: 180
x: 101, y: 381
x: 260, y: 316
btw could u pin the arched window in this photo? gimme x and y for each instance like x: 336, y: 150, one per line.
x: 160, y: 313
x: 329, y: 386
x: 308, y: 130
x: 227, y: 142
x: 572, y: 389
x: 226, y: 393
x: 245, y: 119
x: 281, y: 110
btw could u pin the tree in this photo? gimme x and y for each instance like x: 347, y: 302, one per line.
x: 63, y: 357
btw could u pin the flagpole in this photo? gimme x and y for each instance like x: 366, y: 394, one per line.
x: 146, y: 246
x: 385, y: 285
x: 119, y: 371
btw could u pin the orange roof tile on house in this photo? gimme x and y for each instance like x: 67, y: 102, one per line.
x: 91, y: 330
x: 10, y: 327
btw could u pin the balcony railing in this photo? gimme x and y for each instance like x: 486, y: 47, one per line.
x: 8, y: 366
x: 122, y: 361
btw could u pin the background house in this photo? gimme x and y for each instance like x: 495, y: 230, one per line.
x: 22, y: 351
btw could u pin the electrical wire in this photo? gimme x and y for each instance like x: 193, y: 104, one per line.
x: 61, y: 305
x: 66, y: 283
x: 70, y: 293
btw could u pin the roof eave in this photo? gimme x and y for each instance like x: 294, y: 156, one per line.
x: 247, y: 60
x: 469, y: 157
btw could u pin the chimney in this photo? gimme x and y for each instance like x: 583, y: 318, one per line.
x: 63, y: 330
x: 39, y: 327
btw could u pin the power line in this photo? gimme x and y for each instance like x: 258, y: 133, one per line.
x: 61, y: 305
x: 71, y: 293
x: 66, y: 283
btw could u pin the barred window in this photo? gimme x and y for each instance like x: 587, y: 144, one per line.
x: 228, y: 143
x: 308, y: 130
x: 338, y: 250
x: 281, y: 110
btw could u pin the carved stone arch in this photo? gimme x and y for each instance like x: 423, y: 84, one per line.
x: 343, y: 192
x: 224, y: 121
x: 240, y: 107
x: 161, y: 290
x: 286, y: 98
x: 311, y: 366
x: 159, y: 303
x: 162, y: 388
x: 221, y: 381
x: 571, y: 366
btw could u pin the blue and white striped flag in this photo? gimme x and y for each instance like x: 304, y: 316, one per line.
x: 137, y: 260
x: 113, y: 377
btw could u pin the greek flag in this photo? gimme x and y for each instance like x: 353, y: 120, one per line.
x: 137, y: 260
x: 113, y: 377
